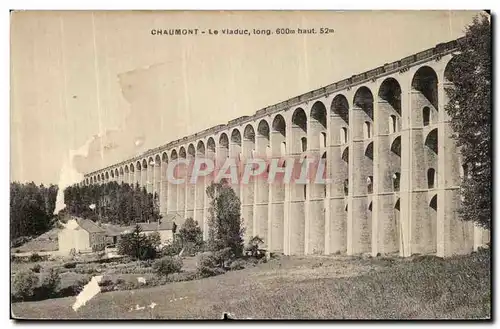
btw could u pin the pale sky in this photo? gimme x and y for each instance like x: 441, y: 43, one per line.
x: 75, y: 75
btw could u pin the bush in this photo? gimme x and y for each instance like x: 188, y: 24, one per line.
x: 50, y: 284
x: 167, y: 265
x: 208, y: 265
x: 173, y: 248
x: 24, y: 284
x: 69, y: 265
x: 35, y: 257
x: 36, y: 268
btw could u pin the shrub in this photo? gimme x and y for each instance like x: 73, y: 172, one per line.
x: 191, y: 236
x: 50, y: 284
x: 24, y: 284
x: 173, y: 248
x: 69, y: 265
x: 36, y: 268
x: 35, y: 257
x: 167, y: 265
x: 208, y: 265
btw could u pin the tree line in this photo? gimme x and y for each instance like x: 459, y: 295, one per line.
x: 111, y: 202
x: 31, y: 208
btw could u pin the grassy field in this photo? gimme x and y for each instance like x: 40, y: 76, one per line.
x: 336, y: 287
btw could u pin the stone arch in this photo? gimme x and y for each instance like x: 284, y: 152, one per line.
x: 390, y: 91
x: 144, y: 164
x: 236, y: 137
x: 200, y: 148
x: 191, y: 151
x: 433, y: 203
x: 369, y: 151
x: 132, y: 167
x: 164, y: 157
x: 279, y: 124
x: 112, y: 173
x: 211, y: 144
x: 223, y: 140
x: 263, y: 128
x: 102, y: 176
x: 157, y: 160
x: 363, y: 99
x: 98, y: 178
x: 121, y: 171
x: 318, y: 113
x: 249, y: 133
x: 431, y: 140
x: 151, y: 161
x: 340, y: 106
x: 174, y: 155
x: 182, y: 152
x: 425, y: 80
x: 345, y: 155
x: 299, y: 119
x: 106, y: 175
x: 396, y: 146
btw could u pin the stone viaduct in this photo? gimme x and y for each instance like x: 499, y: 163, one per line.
x: 394, y: 166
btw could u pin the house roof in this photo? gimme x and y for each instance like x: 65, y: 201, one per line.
x: 89, y: 226
x: 165, y: 225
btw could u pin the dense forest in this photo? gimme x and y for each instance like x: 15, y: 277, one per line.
x: 112, y: 203
x: 31, y: 208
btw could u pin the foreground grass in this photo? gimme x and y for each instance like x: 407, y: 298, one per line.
x: 300, y: 288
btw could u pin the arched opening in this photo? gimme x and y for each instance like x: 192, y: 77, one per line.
x: 249, y: 133
x: 263, y: 129
x: 433, y: 203
x: 318, y: 113
x: 425, y: 80
x: 393, y: 124
x: 396, y: 177
x: 200, y: 148
x: 390, y: 92
x: 367, y: 130
x: 191, y: 150
x: 283, y: 148
x: 112, y: 174
x: 345, y: 155
x: 344, y: 135
x: 363, y: 99
x: 278, y: 137
x: 396, y: 146
x: 369, y: 151
x: 323, y: 139
x: 107, y: 175
x: 211, y: 144
x: 340, y: 106
x: 223, y: 141
x: 182, y: 152
x: 426, y: 116
x: 173, y: 155
x: 236, y: 137
x: 369, y: 184
x: 303, y: 142
x: 431, y: 141
x: 431, y: 178
x: 299, y: 119
x: 346, y: 186
x: 279, y: 125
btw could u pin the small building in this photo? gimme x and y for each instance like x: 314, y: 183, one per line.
x: 164, y: 228
x: 81, y: 235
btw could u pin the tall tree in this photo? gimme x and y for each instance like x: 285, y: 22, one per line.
x: 224, y: 218
x: 469, y: 107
